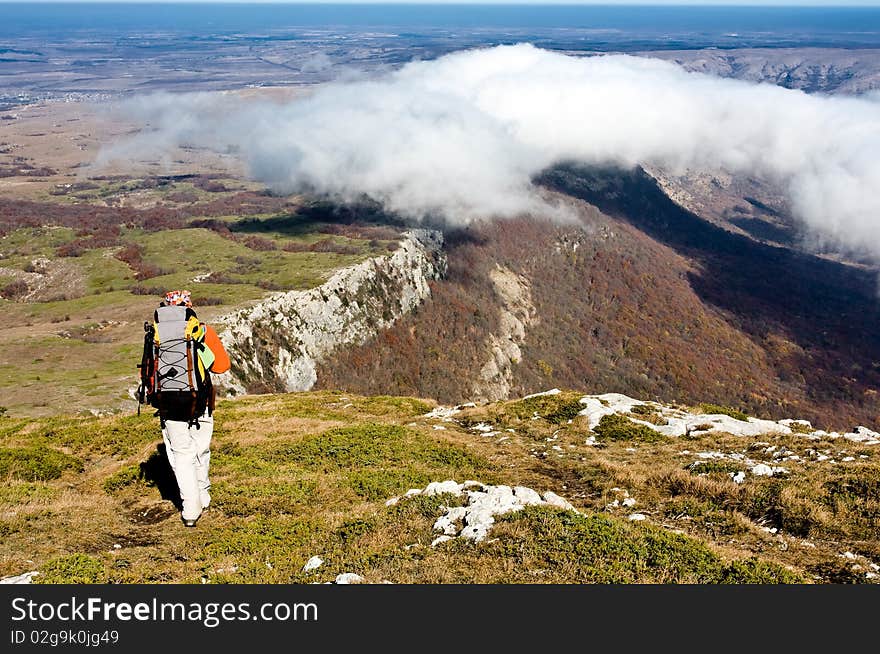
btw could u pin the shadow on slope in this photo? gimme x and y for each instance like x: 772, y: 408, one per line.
x: 815, y: 318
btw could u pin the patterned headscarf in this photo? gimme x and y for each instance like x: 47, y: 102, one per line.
x: 178, y: 298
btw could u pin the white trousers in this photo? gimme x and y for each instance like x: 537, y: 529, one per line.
x: 188, y: 451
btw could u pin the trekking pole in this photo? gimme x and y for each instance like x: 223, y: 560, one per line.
x: 145, y: 366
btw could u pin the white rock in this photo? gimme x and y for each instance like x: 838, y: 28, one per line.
x: 863, y: 435
x: 442, y: 487
x: 447, y: 523
x: 738, y: 477
x: 442, y: 413
x: 526, y: 495
x: 476, y: 532
x: 598, y: 406
x: 763, y: 470
x: 680, y: 422
x: 349, y: 578
x: 313, y: 564
x: 391, y: 501
x: 23, y: 578
x: 628, y: 502
x: 318, y: 321
x: 483, y: 504
x: 553, y: 499
x: 637, y: 517
x: 440, y: 539
x: 413, y: 491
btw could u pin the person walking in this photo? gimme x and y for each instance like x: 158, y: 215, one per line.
x: 180, y: 353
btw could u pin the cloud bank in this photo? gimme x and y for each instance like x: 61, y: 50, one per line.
x: 463, y: 136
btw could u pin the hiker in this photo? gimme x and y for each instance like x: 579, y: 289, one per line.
x: 180, y: 353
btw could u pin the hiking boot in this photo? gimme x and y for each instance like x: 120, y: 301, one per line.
x: 189, y: 522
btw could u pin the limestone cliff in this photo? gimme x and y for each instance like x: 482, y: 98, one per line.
x: 276, y: 344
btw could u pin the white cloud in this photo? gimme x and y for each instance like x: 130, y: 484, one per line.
x: 463, y: 135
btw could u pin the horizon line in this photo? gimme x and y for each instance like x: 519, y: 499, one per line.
x: 753, y: 4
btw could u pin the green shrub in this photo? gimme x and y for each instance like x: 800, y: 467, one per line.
x: 616, y: 427
x: 21, y: 492
x: 713, y: 465
x: 557, y: 409
x: 382, y: 483
x: 425, y: 506
x: 373, y: 445
x: 600, y: 549
x: 72, y: 569
x: 755, y: 571
x: 262, y: 498
x: 353, y: 529
x: 399, y: 407
x: 123, y: 479
x: 36, y: 463
x: 261, y: 536
x: 715, y: 409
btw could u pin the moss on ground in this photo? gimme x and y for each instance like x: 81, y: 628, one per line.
x: 72, y: 569
x: 599, y: 549
x: 616, y: 427
x: 556, y: 409
x: 715, y: 466
x: 35, y: 463
x: 370, y: 445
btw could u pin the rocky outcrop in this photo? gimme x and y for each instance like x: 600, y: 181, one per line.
x: 475, y: 518
x: 676, y: 421
x: 276, y: 345
x: 517, y: 312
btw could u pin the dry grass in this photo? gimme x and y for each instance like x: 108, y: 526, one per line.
x: 304, y: 474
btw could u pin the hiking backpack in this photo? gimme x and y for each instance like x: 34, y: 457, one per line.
x: 174, y: 378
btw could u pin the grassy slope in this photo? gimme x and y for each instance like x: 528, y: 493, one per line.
x: 308, y: 474
x: 44, y: 367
